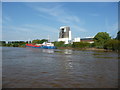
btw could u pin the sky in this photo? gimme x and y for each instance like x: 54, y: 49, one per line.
x: 38, y: 20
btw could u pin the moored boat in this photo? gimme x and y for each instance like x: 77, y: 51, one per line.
x: 45, y: 45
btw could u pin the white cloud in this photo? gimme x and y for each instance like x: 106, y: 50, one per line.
x: 32, y: 31
x: 60, y: 15
x: 6, y: 19
x: 113, y: 29
x: 28, y: 31
x: 79, y: 28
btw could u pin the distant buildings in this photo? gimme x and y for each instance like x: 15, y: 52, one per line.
x: 76, y: 39
x: 87, y: 39
x: 65, y: 35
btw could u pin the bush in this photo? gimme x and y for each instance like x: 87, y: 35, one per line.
x: 15, y: 44
x: 100, y: 39
x: 91, y: 45
x: 39, y: 41
x: 9, y: 45
x: 2, y: 43
x: 22, y: 45
x: 80, y: 44
x: 67, y: 45
x: 112, y: 45
x: 59, y: 44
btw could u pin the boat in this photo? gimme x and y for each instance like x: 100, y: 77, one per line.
x: 45, y: 45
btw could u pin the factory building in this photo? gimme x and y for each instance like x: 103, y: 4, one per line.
x: 87, y: 39
x: 76, y: 39
x: 65, y: 34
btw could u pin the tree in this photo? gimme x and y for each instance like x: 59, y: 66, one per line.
x: 43, y: 40
x: 100, y: 39
x: 112, y: 44
x: 118, y: 35
x: 36, y: 41
x: 2, y: 43
x: 39, y: 41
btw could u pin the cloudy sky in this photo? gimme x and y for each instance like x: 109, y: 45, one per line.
x: 37, y: 20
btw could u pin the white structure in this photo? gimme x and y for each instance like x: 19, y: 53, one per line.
x: 91, y: 42
x: 47, y: 44
x: 76, y: 39
x: 65, y: 34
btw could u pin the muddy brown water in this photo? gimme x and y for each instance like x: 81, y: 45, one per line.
x: 45, y: 68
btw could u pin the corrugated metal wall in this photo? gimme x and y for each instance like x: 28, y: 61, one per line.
x: 64, y: 32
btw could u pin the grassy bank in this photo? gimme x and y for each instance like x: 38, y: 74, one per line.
x: 91, y: 49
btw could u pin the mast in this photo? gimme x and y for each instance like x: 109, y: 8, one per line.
x: 48, y: 38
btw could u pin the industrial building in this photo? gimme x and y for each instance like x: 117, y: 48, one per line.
x: 76, y: 39
x: 87, y: 39
x: 65, y: 34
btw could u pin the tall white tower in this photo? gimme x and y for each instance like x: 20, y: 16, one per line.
x: 65, y: 34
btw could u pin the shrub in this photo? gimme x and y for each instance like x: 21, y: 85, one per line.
x: 112, y: 45
x: 67, y: 45
x: 59, y: 44
x: 101, y: 38
x: 80, y: 44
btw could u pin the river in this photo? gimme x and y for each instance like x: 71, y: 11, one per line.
x: 45, y: 68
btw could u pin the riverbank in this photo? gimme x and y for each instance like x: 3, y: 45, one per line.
x: 91, y: 49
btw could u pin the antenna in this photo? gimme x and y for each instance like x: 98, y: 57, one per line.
x: 48, y: 38
x: 28, y: 40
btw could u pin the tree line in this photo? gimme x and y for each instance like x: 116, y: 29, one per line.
x: 21, y: 43
x: 102, y: 40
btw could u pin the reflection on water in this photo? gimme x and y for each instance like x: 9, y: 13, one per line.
x: 69, y: 65
x: 67, y: 51
x: 48, y: 50
x: 41, y: 68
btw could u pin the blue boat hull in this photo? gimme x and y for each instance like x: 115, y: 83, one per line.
x: 44, y: 47
x: 48, y: 47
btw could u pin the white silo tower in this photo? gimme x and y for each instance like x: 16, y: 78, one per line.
x: 65, y: 34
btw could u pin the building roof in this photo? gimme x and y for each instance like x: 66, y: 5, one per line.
x: 86, y: 39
